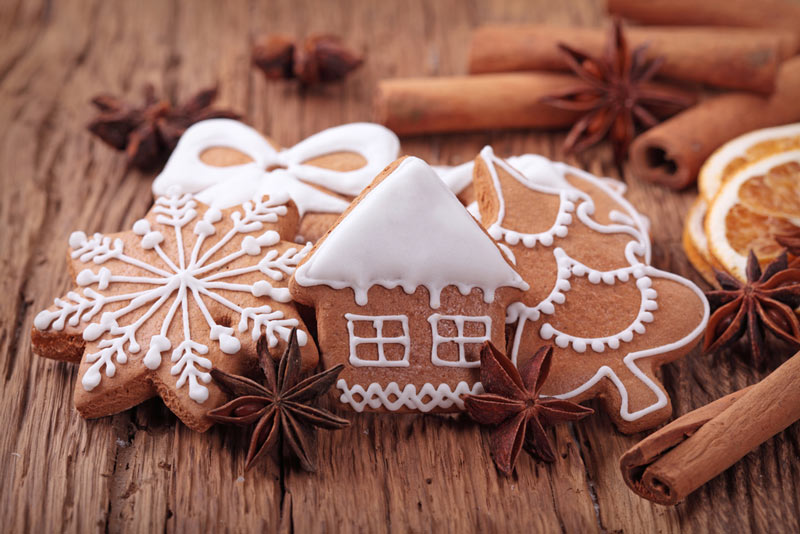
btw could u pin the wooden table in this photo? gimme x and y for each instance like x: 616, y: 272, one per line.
x: 143, y: 471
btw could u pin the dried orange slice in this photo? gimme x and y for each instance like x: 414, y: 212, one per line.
x: 754, y: 205
x: 743, y: 151
x: 695, y: 244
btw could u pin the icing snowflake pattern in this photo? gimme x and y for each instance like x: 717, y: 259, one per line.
x: 189, y: 277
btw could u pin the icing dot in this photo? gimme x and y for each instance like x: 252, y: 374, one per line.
x: 512, y: 238
x: 261, y: 288
x: 42, y: 320
x: 92, y: 378
x: 250, y: 245
x: 546, y: 331
x: 199, y: 394
x: 93, y: 331
x: 594, y: 277
x: 623, y: 275
x: 644, y: 282
x: 579, y: 345
x: 613, y: 343
x: 646, y: 317
x: 639, y: 328
x: 141, y: 227
x: 152, y: 239
x: 562, y: 341
x: 85, y: 277
x: 158, y: 344
x: 598, y: 346
x: 204, y: 228
x: 229, y: 344
x: 268, y: 238
x: 76, y: 239
x: 626, y: 336
x: 609, y: 278
x: 546, y: 240
x: 212, y: 215
x: 302, y: 337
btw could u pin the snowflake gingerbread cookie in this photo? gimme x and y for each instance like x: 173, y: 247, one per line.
x: 191, y: 287
x: 225, y: 162
x: 613, y: 318
x: 407, y: 287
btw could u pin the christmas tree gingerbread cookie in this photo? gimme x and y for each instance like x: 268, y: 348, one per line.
x: 189, y: 288
x: 613, y: 319
x: 225, y: 162
x: 407, y: 286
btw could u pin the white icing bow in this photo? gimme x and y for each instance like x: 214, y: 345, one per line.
x: 275, y: 171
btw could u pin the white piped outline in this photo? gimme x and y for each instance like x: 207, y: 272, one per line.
x: 638, y: 247
x: 376, y: 396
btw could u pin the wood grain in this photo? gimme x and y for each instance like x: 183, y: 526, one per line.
x: 141, y: 471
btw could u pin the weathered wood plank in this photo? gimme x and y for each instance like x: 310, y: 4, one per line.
x: 141, y: 470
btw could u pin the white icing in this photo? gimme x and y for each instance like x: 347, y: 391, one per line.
x: 379, y: 340
x: 393, y: 398
x: 271, y: 171
x: 540, y: 170
x: 541, y: 174
x: 409, y: 231
x: 638, y: 248
x: 188, y: 277
x: 460, y: 339
x: 631, y: 359
x: 456, y: 178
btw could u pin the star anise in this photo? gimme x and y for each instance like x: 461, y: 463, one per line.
x: 514, y: 407
x: 616, y: 96
x: 283, y: 408
x: 792, y: 244
x: 765, y: 302
x: 317, y: 59
x: 149, y: 132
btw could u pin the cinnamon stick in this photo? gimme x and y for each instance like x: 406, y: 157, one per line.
x: 746, y: 13
x: 471, y: 103
x: 674, y: 461
x: 467, y: 103
x: 731, y: 58
x: 672, y: 152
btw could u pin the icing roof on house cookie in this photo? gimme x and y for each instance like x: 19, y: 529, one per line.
x: 410, y: 230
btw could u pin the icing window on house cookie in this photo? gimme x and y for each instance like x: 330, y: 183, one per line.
x: 378, y: 340
x: 451, y: 336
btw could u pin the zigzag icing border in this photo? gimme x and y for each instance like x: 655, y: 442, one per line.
x: 376, y: 396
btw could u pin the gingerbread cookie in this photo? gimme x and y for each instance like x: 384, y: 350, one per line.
x: 226, y: 162
x: 190, y: 287
x: 407, y: 286
x: 612, y: 318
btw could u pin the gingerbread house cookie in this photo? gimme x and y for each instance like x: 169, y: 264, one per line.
x: 225, y: 162
x: 613, y: 318
x: 407, y: 286
x: 189, y: 288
